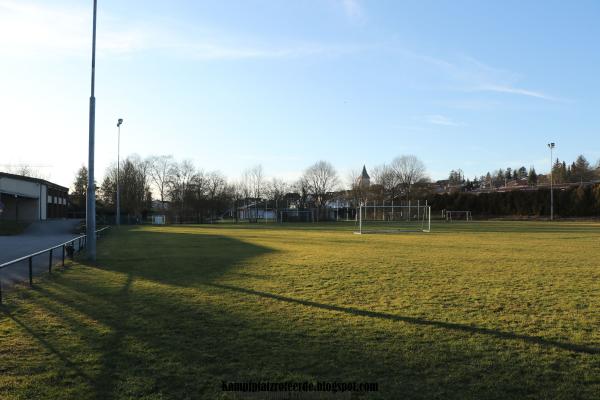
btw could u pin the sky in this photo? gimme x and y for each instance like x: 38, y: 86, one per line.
x: 230, y: 84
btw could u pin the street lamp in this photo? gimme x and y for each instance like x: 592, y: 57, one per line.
x: 118, y: 216
x: 90, y: 225
x: 551, y: 146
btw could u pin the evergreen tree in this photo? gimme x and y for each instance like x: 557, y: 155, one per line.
x: 532, y: 177
x: 559, y: 172
x: 488, y: 180
x: 78, y: 194
x: 499, y: 179
x: 581, y: 170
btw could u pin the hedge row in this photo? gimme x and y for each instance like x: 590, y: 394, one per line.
x: 576, y: 201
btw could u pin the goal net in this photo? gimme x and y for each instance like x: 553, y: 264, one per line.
x: 457, y: 215
x: 294, y: 215
x: 391, y: 219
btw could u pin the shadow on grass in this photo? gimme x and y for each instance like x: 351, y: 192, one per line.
x: 47, y: 345
x: 181, y: 337
x: 417, y: 321
x: 516, y: 227
x: 182, y: 259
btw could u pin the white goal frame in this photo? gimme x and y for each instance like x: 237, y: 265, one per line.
x: 450, y: 213
x: 417, y: 215
x: 295, y: 213
x: 159, y: 219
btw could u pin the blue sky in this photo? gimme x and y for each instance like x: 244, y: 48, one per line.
x: 231, y: 84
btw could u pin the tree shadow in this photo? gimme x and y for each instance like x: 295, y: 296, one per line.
x: 419, y: 321
x: 525, y: 227
x: 183, y: 259
x: 44, y: 342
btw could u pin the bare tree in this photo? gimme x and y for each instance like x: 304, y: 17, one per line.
x: 358, y: 192
x: 134, y: 186
x: 217, y: 195
x: 257, y: 181
x: 238, y: 192
x: 181, y: 184
x: 160, y: 168
x: 385, y: 176
x: 408, y: 170
x: 322, y: 179
x: 276, y: 190
x: 26, y: 170
x: 301, y: 187
x: 198, y: 188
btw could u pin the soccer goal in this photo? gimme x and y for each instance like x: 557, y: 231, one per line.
x: 392, y: 219
x: 457, y: 215
x: 158, y: 220
x: 293, y: 215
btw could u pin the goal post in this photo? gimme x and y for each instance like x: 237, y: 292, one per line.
x: 293, y: 215
x: 392, y: 219
x: 458, y: 215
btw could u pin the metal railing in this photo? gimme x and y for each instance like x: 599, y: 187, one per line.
x: 66, y: 247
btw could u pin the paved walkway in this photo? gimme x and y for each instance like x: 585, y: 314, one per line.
x: 38, y: 236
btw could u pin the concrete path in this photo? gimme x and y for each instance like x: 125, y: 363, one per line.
x: 38, y: 236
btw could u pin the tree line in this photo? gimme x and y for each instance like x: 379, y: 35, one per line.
x: 191, y: 194
x: 194, y: 195
x: 579, y: 171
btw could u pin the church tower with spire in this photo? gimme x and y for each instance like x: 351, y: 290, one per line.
x: 364, y: 180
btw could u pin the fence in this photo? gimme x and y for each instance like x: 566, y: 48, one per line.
x: 67, y: 248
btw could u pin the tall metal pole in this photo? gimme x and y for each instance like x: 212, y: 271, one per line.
x: 91, y: 190
x: 551, y: 146
x: 118, y: 216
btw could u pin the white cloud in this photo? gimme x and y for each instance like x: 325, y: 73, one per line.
x: 514, y: 90
x: 214, y: 51
x: 437, y: 119
x: 472, y: 75
x: 33, y: 27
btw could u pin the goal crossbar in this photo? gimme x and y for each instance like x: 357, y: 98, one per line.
x: 393, y: 219
x: 293, y: 215
x: 451, y: 215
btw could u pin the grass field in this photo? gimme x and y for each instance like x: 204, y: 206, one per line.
x: 497, y: 310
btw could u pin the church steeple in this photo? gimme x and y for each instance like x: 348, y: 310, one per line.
x: 364, y: 180
x: 364, y: 174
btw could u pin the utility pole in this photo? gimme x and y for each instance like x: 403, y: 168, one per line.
x: 551, y: 146
x: 90, y: 225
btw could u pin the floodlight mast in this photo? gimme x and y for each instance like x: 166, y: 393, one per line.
x: 118, y: 216
x: 90, y: 225
x: 551, y: 146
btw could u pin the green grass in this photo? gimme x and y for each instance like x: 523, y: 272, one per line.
x: 493, y: 310
x: 12, y: 227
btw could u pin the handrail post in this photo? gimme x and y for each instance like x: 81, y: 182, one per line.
x: 30, y: 271
x: 50, y: 262
x: 63, y: 255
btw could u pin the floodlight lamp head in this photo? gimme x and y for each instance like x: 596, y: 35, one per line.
x: 119, y: 122
x: 551, y: 145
